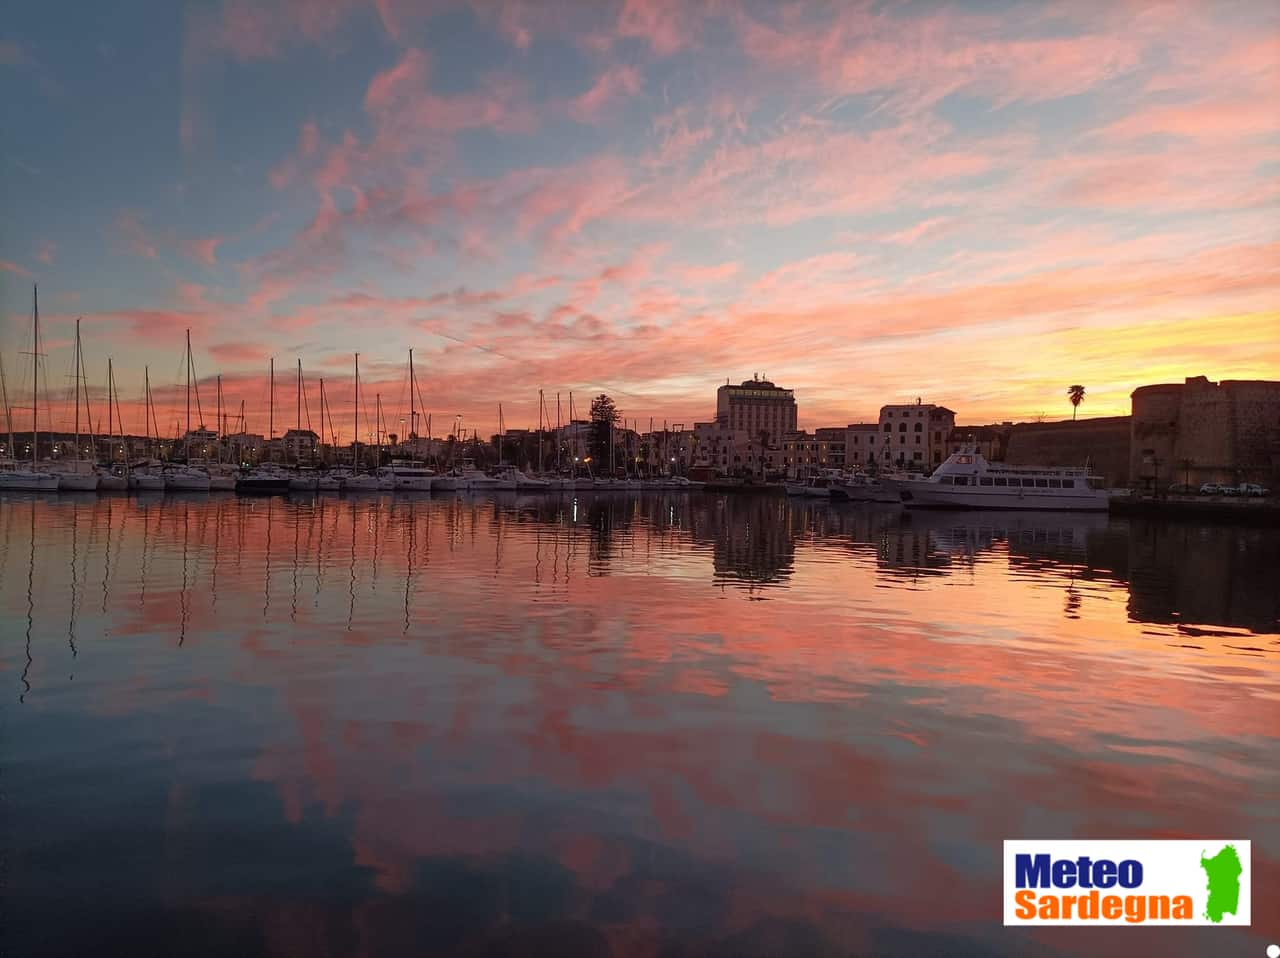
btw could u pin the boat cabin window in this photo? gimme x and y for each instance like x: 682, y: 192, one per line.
x: 986, y: 481
x: 1001, y: 481
x: 1068, y: 483
x: 1042, y: 483
x: 1055, y: 484
x: 945, y: 480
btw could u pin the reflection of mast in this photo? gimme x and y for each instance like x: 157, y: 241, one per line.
x: 31, y: 603
x: 266, y: 582
x: 182, y: 596
x: 351, y: 609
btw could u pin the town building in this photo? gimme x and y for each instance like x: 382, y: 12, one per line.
x: 914, y: 436
x: 1201, y: 431
x: 758, y: 407
x: 808, y: 453
x: 860, y: 443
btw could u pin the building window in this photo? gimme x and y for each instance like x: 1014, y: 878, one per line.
x: 888, y: 427
x: 902, y: 427
x: 917, y: 440
x: 917, y: 455
x: 919, y: 426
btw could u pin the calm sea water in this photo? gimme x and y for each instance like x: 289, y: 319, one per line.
x: 652, y: 726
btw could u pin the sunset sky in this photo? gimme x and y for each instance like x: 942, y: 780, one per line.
x: 974, y: 203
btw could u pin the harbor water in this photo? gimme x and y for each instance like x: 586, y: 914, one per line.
x: 654, y: 725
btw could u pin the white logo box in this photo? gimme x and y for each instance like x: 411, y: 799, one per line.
x: 1169, y: 868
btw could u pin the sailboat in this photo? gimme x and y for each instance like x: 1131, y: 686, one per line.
x: 302, y: 480
x: 327, y: 481
x: 76, y: 474
x: 408, y: 475
x: 186, y: 478
x: 267, y: 478
x: 147, y: 479
x: 31, y: 479
x: 222, y: 476
x: 112, y: 478
x: 358, y: 481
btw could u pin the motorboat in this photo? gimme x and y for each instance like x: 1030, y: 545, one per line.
x: 408, y: 476
x: 863, y: 488
x: 27, y: 480
x: 267, y: 479
x: 814, y: 487
x: 327, y: 482
x: 146, y: 480
x: 185, y: 479
x: 304, y: 481
x: 966, y: 480
x: 361, y: 482
x: 78, y: 476
x: 112, y: 479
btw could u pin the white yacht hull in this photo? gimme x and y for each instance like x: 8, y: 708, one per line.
x: 28, y: 481
x: 146, y: 482
x: 112, y: 483
x: 222, y: 483
x: 413, y: 483
x: 328, y: 484
x: 444, y: 484
x: 920, y: 494
x: 302, y: 484
x: 361, y: 484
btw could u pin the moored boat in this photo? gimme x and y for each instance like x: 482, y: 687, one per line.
x: 266, y: 480
x: 967, y: 481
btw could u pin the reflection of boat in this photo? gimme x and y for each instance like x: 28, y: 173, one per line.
x: 967, y: 481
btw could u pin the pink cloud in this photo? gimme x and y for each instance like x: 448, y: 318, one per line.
x: 14, y: 268
x: 48, y: 249
x: 924, y: 230
x: 665, y: 25
x: 136, y: 237
x: 709, y: 275
x: 204, y: 250
x: 616, y: 83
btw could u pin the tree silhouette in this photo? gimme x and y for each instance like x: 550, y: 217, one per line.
x: 604, y: 413
x: 1076, y: 395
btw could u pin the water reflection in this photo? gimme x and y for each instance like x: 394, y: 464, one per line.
x: 522, y: 725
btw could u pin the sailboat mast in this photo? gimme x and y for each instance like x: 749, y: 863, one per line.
x: 186, y: 441
x: 221, y: 422
x: 501, y: 431
x: 557, y: 432
x: 355, y: 449
x: 75, y: 370
x: 146, y: 405
x: 35, y: 373
x: 413, y: 411
x: 8, y: 413
x: 271, y: 406
x: 541, y: 408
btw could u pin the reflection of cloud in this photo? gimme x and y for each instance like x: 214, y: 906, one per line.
x: 576, y: 725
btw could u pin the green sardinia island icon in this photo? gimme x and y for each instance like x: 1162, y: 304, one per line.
x: 1223, y: 872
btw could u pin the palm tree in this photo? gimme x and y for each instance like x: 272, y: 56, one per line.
x: 1076, y: 395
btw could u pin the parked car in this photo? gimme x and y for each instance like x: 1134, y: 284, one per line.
x: 1252, y: 489
x: 1211, y: 489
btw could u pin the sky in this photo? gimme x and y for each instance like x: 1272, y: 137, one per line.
x: 977, y: 204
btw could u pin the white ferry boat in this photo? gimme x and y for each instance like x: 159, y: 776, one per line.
x: 967, y: 481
